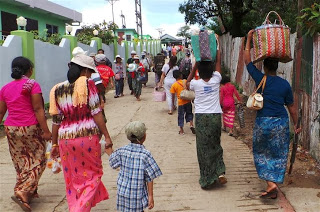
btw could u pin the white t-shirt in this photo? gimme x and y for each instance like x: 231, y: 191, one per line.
x: 207, y: 98
x: 165, y: 70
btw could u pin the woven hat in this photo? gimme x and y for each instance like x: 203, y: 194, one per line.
x: 84, y: 61
x: 133, y: 52
x: 132, y: 67
x: 135, y: 130
x: 100, y: 58
x: 136, y: 57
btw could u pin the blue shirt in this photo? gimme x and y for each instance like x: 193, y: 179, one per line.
x: 277, y: 93
x: 137, y: 167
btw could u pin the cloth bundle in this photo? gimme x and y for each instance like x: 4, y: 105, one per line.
x: 272, y: 40
x: 204, y: 45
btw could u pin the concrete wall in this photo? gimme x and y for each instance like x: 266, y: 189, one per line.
x: 11, y: 48
x: 50, y: 69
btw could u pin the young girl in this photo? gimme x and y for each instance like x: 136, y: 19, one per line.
x: 138, y: 169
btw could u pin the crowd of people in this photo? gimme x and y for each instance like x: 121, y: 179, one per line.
x: 78, y: 123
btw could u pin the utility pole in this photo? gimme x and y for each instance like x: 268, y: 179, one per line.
x: 160, y: 30
x: 138, y: 17
x: 123, y: 20
x: 112, y: 2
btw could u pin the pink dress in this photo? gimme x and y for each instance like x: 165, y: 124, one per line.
x: 227, y: 93
x: 79, y: 146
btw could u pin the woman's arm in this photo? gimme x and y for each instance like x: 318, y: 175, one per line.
x: 3, y: 110
x: 98, y: 119
x: 191, y: 75
x: 162, y: 79
x: 294, y: 116
x: 55, y: 150
x: 247, y: 54
x: 218, y: 58
x: 37, y: 104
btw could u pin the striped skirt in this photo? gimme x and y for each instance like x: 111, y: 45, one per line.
x: 270, y: 147
x: 228, y: 118
x: 27, y: 150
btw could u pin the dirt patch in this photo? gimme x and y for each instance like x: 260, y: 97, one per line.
x: 306, y: 170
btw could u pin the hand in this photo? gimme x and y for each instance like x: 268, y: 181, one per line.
x: 47, y: 135
x: 296, y: 129
x: 150, y: 202
x: 55, y: 152
x: 250, y: 34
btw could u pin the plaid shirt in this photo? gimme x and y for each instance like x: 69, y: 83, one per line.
x: 137, y: 167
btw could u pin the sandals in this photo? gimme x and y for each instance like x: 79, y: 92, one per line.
x: 181, y: 133
x: 193, y: 130
x: 170, y: 112
x: 23, y: 205
x: 273, y: 194
x: 222, y: 179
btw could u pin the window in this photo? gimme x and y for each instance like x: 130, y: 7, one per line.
x: 31, y: 24
x: 128, y: 37
x: 9, y: 23
x: 51, y: 29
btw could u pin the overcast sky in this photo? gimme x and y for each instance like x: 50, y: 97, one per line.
x: 155, y: 13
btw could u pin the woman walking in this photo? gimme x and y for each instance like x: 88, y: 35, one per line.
x: 227, y: 93
x: 168, y: 79
x: 136, y: 75
x: 77, y: 127
x: 271, y: 131
x: 26, y: 129
x: 119, y: 76
x: 208, y: 122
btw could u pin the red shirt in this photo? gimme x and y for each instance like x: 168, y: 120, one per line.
x: 141, y: 70
x: 105, y: 73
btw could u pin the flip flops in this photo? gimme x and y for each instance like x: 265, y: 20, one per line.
x: 23, y: 205
x: 273, y: 194
x: 222, y: 179
x: 193, y: 130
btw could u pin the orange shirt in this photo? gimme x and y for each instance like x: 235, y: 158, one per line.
x: 176, y: 88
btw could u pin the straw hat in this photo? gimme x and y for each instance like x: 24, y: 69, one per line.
x: 132, y: 67
x: 84, y: 61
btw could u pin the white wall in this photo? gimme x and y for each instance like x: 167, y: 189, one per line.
x: 51, y: 63
x: 11, y: 48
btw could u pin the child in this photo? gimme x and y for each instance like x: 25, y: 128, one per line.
x: 184, y: 106
x: 138, y: 169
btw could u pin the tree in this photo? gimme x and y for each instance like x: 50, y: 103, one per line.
x: 237, y: 16
x: 184, y: 32
x: 105, y: 30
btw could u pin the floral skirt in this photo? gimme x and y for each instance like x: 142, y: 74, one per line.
x: 27, y: 150
x: 271, y: 141
x: 82, y: 169
x: 209, y: 149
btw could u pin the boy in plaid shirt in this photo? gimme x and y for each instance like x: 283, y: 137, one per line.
x: 138, y: 169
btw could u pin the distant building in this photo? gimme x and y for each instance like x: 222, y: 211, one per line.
x: 168, y: 39
x: 40, y: 15
x: 125, y: 34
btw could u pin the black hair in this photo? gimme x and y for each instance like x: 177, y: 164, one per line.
x: 177, y: 74
x: 101, y: 50
x: 172, y: 61
x: 74, y: 72
x: 205, y: 69
x: 20, y: 66
x: 271, y: 64
x: 225, y: 79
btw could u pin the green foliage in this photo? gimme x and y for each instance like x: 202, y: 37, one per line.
x: 184, y: 32
x: 105, y: 32
x: 238, y: 16
x: 1, y: 42
x: 46, y: 37
x: 310, y: 20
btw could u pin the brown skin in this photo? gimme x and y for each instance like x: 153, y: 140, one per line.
x: 291, y: 108
x: 98, y: 119
x: 37, y: 104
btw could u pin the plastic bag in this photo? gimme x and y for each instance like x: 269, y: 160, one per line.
x: 56, y: 166
x: 103, y: 146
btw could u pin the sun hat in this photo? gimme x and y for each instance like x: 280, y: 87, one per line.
x: 92, y: 54
x: 84, y: 61
x: 132, y: 67
x: 135, y: 130
x: 78, y: 50
x: 133, y: 52
x: 118, y: 56
x: 136, y: 57
x: 100, y: 58
x: 143, y: 54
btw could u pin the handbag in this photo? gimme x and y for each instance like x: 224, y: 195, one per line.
x: 272, y: 40
x: 117, y: 76
x: 255, y: 100
x: 186, y: 94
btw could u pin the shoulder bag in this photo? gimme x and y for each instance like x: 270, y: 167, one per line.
x: 255, y: 100
x: 186, y: 94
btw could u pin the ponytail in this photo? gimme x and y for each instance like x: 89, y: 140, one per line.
x: 74, y: 72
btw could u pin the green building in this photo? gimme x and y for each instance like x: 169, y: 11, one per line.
x: 40, y: 15
x: 126, y: 34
